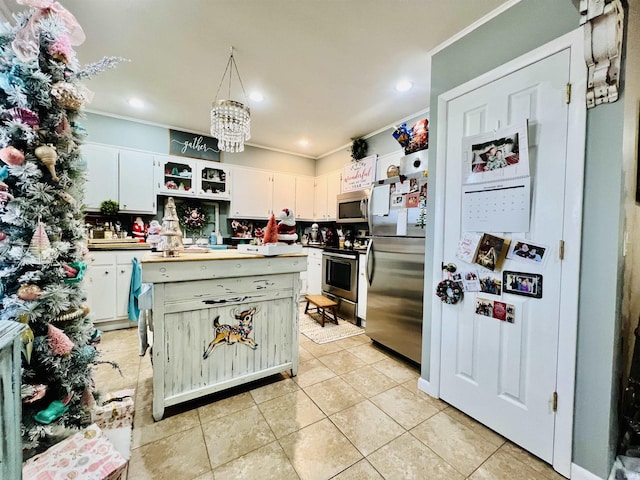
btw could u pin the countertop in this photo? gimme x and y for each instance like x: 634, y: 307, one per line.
x: 231, y: 254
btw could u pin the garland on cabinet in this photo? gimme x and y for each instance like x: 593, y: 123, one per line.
x: 42, y: 234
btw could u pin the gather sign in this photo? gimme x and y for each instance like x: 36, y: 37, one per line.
x: 193, y: 145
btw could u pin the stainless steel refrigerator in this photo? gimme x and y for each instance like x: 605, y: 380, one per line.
x: 395, y: 268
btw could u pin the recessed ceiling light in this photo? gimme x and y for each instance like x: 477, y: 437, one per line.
x: 303, y: 143
x: 403, y: 85
x: 256, y: 96
x: 136, y: 102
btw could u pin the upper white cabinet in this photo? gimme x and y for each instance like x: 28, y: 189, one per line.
x: 136, y: 189
x: 256, y: 194
x: 212, y: 180
x: 251, y: 193
x: 188, y: 177
x: 304, y: 197
x: 334, y: 188
x: 125, y: 176
x: 102, y: 175
x: 284, y: 192
x: 328, y: 187
x: 176, y: 176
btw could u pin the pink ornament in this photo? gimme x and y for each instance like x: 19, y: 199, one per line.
x: 60, y: 343
x: 2, y: 235
x: 61, y: 49
x: 39, y: 242
x: 24, y: 116
x: 11, y: 156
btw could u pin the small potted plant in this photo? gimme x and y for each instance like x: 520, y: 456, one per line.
x: 109, y: 208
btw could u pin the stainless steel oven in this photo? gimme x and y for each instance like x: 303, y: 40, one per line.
x: 340, y: 281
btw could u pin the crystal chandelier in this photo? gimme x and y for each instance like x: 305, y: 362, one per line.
x: 230, y: 120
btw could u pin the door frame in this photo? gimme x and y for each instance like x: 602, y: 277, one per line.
x: 571, y: 234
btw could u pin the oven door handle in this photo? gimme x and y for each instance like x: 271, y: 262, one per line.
x: 340, y: 255
x: 370, y: 262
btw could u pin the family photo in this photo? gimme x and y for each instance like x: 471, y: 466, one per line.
x: 495, y: 154
x: 520, y: 283
x: 526, y: 252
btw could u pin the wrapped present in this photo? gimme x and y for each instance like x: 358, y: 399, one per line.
x: 115, y: 410
x: 88, y: 455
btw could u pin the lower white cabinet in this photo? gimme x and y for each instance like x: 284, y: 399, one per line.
x: 363, y: 285
x: 107, y: 281
x: 314, y: 271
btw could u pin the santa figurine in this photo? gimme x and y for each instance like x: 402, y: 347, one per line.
x: 138, y: 229
x: 287, y: 227
x: 153, y: 233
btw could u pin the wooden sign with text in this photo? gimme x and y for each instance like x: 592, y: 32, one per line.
x: 359, y: 175
x: 193, y: 145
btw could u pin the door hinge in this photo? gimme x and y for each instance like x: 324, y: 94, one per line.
x: 554, y: 402
x: 568, y: 96
x: 561, y: 249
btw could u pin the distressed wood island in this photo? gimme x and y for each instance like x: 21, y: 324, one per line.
x: 220, y: 319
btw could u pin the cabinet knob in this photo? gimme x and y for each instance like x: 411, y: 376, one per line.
x: 106, y: 272
x: 121, y: 271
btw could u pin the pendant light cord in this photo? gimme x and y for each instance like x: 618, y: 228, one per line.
x: 231, y: 62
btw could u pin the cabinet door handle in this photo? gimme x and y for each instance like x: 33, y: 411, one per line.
x: 106, y: 272
x: 121, y: 271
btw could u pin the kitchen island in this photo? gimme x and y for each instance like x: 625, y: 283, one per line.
x: 220, y: 319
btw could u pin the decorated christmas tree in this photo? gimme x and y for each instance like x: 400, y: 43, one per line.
x: 42, y: 235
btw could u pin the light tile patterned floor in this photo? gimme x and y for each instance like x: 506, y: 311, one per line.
x: 353, y: 412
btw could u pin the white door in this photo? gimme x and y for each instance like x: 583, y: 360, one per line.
x: 504, y: 374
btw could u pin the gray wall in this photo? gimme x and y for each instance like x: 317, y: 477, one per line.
x: 379, y: 144
x: 151, y: 138
x: 525, y: 26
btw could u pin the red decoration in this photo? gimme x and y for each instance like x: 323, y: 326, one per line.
x: 270, y: 231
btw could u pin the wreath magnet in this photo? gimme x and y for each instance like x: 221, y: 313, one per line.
x: 450, y: 292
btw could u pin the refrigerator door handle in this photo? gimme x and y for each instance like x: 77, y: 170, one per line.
x: 370, y: 262
x: 369, y: 222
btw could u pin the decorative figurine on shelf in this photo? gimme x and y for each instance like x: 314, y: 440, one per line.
x: 287, y: 227
x: 138, y: 229
x: 153, y: 234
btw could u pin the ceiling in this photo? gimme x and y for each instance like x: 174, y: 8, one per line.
x: 327, y: 68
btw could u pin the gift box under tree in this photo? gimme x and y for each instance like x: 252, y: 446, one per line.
x: 86, y: 455
x: 115, y: 410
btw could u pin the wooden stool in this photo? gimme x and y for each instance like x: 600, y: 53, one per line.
x: 322, y: 303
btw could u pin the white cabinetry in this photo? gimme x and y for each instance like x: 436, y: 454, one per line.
x: 327, y: 189
x: 125, y: 176
x: 136, y: 188
x: 314, y: 271
x: 191, y: 178
x: 108, y: 280
x: 251, y: 193
x: 102, y: 175
x: 284, y: 192
x: 363, y: 285
x: 304, y: 197
x: 257, y: 194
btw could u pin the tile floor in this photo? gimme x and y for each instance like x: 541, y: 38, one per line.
x: 353, y: 412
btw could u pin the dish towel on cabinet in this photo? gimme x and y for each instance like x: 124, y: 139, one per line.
x: 134, y: 290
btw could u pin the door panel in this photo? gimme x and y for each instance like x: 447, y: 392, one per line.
x: 504, y: 374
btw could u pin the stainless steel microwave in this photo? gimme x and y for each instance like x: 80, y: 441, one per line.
x: 352, y: 207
